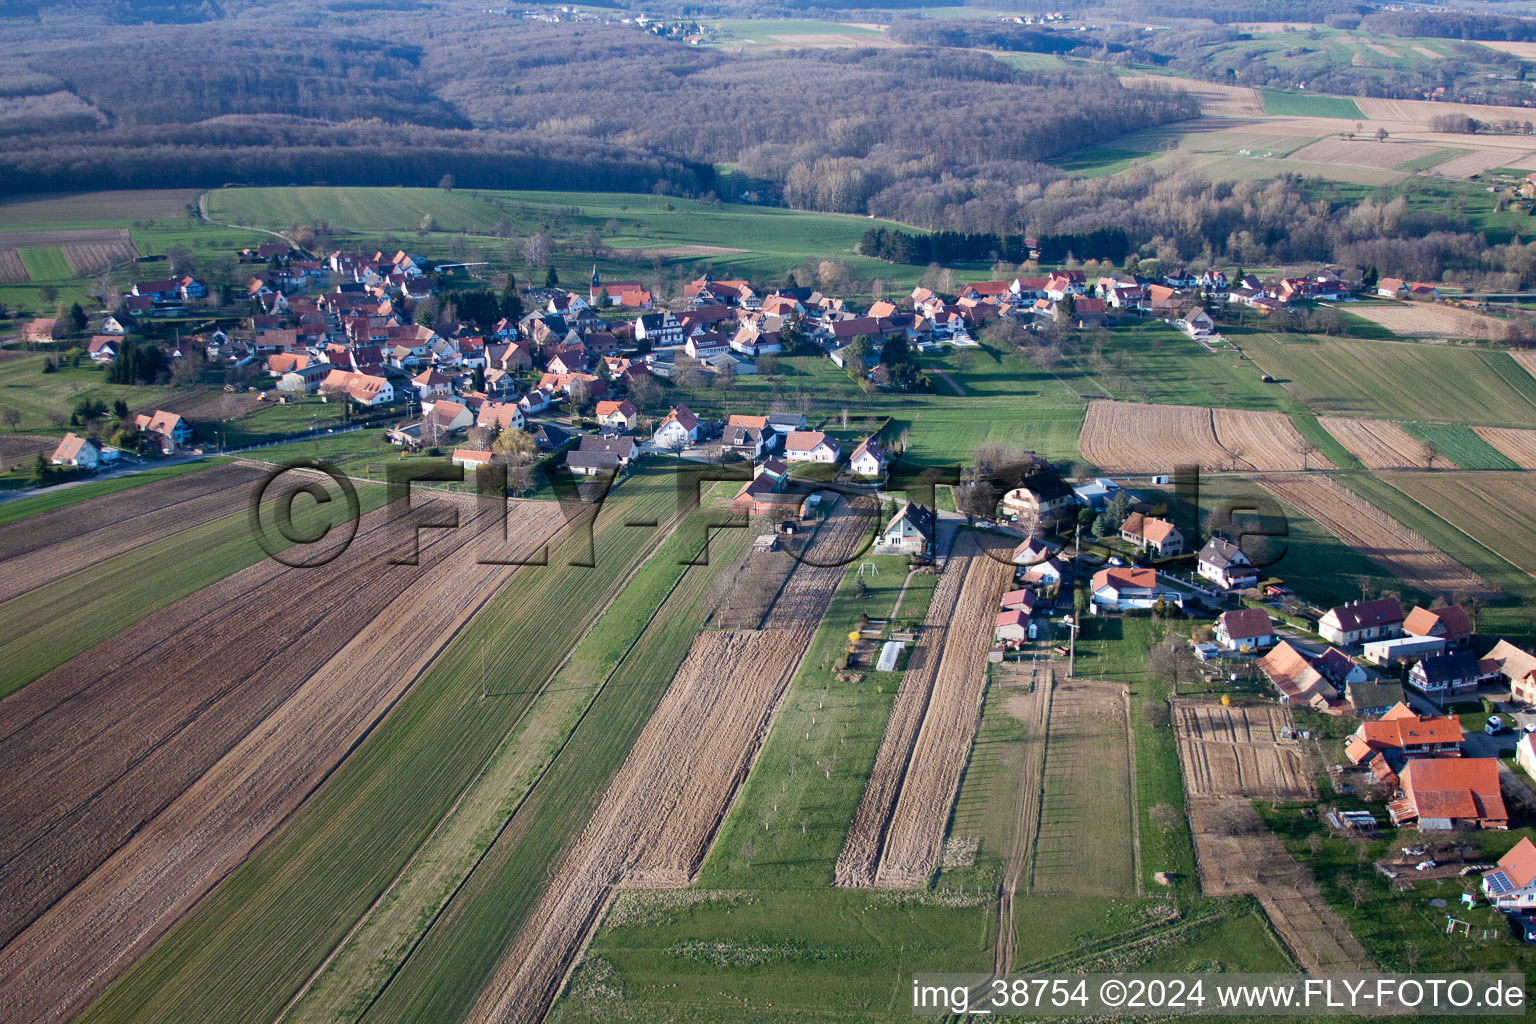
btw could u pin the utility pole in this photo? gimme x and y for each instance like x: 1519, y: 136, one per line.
x: 1077, y: 551
x: 482, y: 670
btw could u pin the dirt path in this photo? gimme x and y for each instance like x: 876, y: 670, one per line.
x: 1035, y: 713
x: 954, y: 385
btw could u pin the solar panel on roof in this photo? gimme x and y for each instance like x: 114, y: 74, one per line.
x: 1497, y: 883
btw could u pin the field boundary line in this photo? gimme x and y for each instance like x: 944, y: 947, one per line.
x: 480, y: 775
x: 1130, y: 758
x: 1429, y: 512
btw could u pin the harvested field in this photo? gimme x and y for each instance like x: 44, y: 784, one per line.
x: 1526, y: 359
x: 1215, y: 100
x: 1421, y: 111
x: 1231, y: 756
x: 1379, y: 444
x: 914, y: 839
x: 207, y: 405
x: 42, y: 548
x: 1497, y: 510
x: 1237, y: 751
x: 664, y: 806
x: 1364, y: 152
x: 753, y: 590
x: 1468, y: 163
x: 1517, y: 444
x: 1237, y: 854
x: 1086, y: 842
x: 22, y: 449
x: 1430, y: 320
x: 59, y: 236
x: 1129, y: 437
x: 1373, y: 533
x: 1424, y: 51
x: 168, y: 761
x: 87, y: 258
x: 1262, y: 440
x: 12, y: 270
x: 122, y: 205
x: 860, y: 857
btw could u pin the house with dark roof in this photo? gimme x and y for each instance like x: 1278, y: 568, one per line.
x: 765, y: 492
x: 1041, y: 496
x: 1224, y: 564
x: 911, y: 531
x: 1444, y: 675
x: 1245, y: 629
x: 1362, y: 621
x: 1516, y: 667
x: 1370, y: 699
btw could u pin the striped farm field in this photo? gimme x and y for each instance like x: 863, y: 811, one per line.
x: 1460, y: 445
x: 1378, y: 444
x: 12, y: 270
x: 1364, y: 152
x: 1427, y: 320
x: 1389, y: 380
x: 1519, y: 446
x: 1381, y: 538
x: 1497, y: 510
x: 1131, y: 437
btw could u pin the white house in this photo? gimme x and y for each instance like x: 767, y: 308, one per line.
x: 1512, y: 884
x: 536, y: 400
x: 910, y: 532
x: 1119, y: 589
x: 681, y: 427
x: 1245, y: 629
x: 621, y: 415
x: 868, y: 459
x: 1362, y: 621
x: 811, y: 446
x: 1224, y: 564
x: 76, y: 451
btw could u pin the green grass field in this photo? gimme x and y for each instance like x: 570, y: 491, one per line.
x: 1461, y: 445
x: 1149, y: 361
x: 40, y: 396
x: 333, y: 858
x: 1349, y: 377
x: 809, y: 814
x: 1101, y: 161
x: 1295, y: 104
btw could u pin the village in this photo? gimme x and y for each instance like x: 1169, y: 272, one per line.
x: 576, y: 381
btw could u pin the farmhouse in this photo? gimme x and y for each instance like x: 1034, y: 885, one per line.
x: 765, y: 491
x: 1401, y: 736
x: 1364, y: 620
x: 1245, y: 629
x: 103, y: 348
x: 77, y: 451
x: 1449, y: 624
x: 1158, y: 537
x: 1038, y: 564
x: 1366, y: 699
x: 1340, y: 669
x: 1224, y: 564
x: 1018, y: 601
x: 1517, y: 667
x: 1512, y: 884
x: 811, y: 446
x: 911, y: 531
x: 1042, y: 497
x: 1449, y: 793
x: 1292, y: 673
x: 43, y: 329
x: 362, y: 388
x: 1445, y: 675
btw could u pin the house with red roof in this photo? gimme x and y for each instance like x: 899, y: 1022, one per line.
x: 620, y: 415
x: 77, y: 451
x: 166, y: 429
x: 1449, y: 624
x: 1357, y: 623
x: 1011, y: 627
x: 1158, y: 537
x: 1511, y: 885
x: 1123, y: 587
x: 1401, y: 735
x: 680, y: 428
x: 1446, y: 793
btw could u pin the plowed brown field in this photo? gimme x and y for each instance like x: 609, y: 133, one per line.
x: 860, y: 858
x: 12, y: 270
x: 915, y: 838
x: 167, y: 760
x: 1237, y: 751
x: 1373, y: 533
x: 21, y: 449
x: 1519, y: 445
x: 41, y: 548
x: 1130, y: 437
x: 664, y: 806
x: 87, y: 258
x: 1380, y: 444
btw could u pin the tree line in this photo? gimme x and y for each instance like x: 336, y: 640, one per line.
x: 1108, y: 243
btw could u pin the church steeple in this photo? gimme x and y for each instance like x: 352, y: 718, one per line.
x: 595, y: 281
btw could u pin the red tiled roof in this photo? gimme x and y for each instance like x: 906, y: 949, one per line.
x: 1452, y: 787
